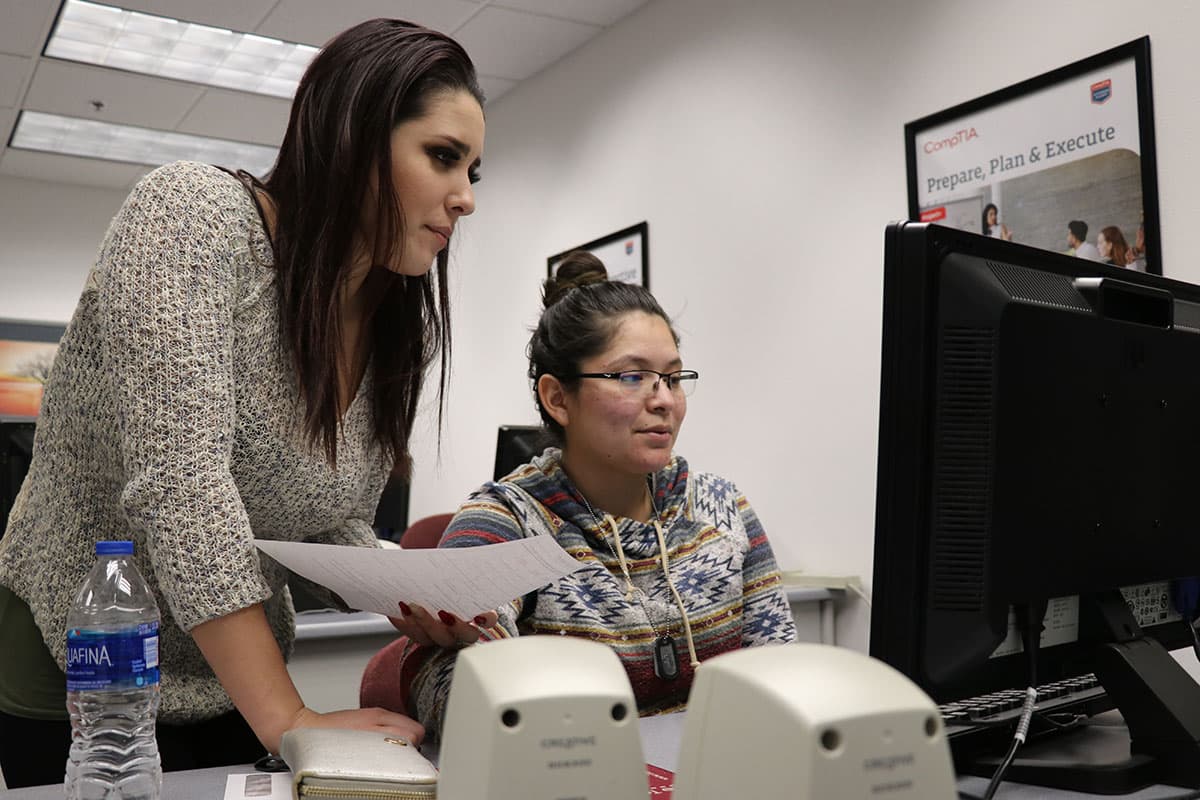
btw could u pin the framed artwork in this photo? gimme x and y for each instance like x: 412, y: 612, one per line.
x: 26, y: 354
x: 1064, y: 161
x: 625, y: 254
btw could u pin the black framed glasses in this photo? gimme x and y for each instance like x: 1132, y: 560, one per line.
x: 646, y: 381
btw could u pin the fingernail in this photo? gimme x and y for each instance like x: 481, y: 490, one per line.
x: 446, y: 617
x: 481, y: 620
x: 404, y: 609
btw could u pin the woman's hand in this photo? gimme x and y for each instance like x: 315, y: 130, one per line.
x: 442, y: 629
x: 363, y: 719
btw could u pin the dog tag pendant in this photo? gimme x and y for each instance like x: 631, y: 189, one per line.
x: 666, y: 663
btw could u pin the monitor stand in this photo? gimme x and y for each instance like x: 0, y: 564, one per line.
x: 1158, y: 738
x: 1092, y: 757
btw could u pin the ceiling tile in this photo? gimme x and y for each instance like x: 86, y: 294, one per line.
x: 238, y: 115
x: 63, y: 87
x: 317, y: 21
x: 515, y: 45
x: 596, y: 12
x: 69, y: 169
x: 13, y: 72
x: 494, y: 88
x: 26, y: 23
x: 237, y: 15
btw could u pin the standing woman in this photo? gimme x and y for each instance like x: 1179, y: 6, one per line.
x: 677, y: 568
x: 992, y: 226
x: 245, y: 361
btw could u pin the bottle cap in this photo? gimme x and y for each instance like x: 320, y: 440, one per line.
x: 123, y: 548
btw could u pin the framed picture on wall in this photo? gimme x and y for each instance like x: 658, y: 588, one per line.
x: 26, y: 353
x: 625, y: 254
x: 1064, y: 161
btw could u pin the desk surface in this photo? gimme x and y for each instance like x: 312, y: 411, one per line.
x: 660, y: 746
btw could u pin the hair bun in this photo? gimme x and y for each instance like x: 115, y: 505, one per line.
x: 578, y: 268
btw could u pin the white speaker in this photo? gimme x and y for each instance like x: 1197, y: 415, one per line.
x: 810, y: 722
x: 541, y: 718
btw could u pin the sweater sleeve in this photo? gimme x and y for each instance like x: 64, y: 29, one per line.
x: 766, y: 615
x: 167, y: 289
x: 483, y: 519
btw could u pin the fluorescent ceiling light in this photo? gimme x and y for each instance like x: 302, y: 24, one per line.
x: 170, y: 48
x: 88, y: 138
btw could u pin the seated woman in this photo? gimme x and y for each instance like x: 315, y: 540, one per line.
x: 677, y: 567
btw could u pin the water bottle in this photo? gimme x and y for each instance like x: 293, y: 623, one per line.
x: 112, y: 682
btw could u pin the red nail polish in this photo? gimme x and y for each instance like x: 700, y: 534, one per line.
x: 404, y: 609
x: 480, y: 620
x: 446, y: 617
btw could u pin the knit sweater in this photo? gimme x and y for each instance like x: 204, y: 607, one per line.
x: 171, y: 417
x: 719, y: 559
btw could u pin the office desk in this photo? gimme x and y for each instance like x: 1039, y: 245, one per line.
x: 660, y: 746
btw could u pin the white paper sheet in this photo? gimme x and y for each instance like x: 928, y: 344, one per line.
x: 465, y: 581
x: 259, y: 786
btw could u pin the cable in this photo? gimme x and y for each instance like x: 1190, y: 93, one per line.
x: 1029, y: 621
x: 1018, y: 740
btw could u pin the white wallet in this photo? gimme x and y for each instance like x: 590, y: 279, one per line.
x: 356, y: 765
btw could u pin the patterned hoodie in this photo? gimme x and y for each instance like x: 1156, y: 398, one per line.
x: 719, y: 559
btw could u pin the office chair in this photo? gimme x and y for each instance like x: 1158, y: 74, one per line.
x: 425, y: 532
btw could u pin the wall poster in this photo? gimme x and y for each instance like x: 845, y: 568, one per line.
x: 1064, y: 161
x: 26, y: 353
x: 625, y: 254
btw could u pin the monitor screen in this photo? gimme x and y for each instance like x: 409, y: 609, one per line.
x: 1038, y: 441
x: 16, y: 452
x: 517, y: 445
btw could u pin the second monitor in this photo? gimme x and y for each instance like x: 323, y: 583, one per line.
x: 516, y: 445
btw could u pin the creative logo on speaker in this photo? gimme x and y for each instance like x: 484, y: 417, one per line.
x: 889, y: 762
x: 1101, y: 91
x: 568, y: 742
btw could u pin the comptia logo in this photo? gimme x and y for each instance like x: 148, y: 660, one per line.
x: 629, y: 248
x: 1102, y: 91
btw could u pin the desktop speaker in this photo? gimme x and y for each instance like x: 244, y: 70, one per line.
x: 809, y: 721
x: 541, y: 718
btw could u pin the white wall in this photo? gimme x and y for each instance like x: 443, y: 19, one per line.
x: 49, y: 236
x: 763, y: 141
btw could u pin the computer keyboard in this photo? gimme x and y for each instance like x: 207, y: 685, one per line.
x: 979, y: 723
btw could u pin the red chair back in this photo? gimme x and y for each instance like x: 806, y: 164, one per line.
x: 386, y: 677
x: 425, y: 532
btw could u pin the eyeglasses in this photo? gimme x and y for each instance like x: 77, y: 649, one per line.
x: 645, y: 381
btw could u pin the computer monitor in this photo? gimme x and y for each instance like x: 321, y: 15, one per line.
x: 16, y: 452
x: 516, y: 445
x: 1039, y: 441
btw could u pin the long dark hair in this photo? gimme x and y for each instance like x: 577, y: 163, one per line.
x: 987, y: 229
x: 1119, y: 252
x: 582, y: 309
x: 363, y: 83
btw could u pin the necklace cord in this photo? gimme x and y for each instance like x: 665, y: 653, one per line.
x: 629, y: 587
x: 687, y: 626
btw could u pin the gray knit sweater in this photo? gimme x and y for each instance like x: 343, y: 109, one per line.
x: 171, y: 418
